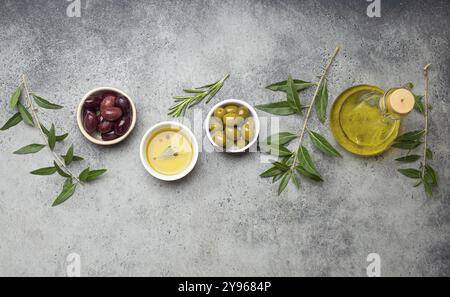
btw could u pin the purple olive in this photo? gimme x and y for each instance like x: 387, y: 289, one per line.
x: 111, y: 113
x: 108, y: 101
x: 105, y: 126
x: 92, y: 102
x: 123, y: 103
x: 90, y: 122
x: 109, y: 135
x: 122, y: 126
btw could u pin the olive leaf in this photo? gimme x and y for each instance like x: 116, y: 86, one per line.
x: 410, y: 172
x: 14, y: 120
x: 15, y: 97
x: 59, y: 138
x: 282, y: 85
x: 284, y: 181
x: 45, y: 103
x: 306, y: 165
x: 280, y: 138
x: 275, y: 149
x: 68, y: 158
x: 410, y: 136
x: 323, y: 145
x: 321, y: 102
x: 292, y: 96
x: 84, y: 174
x: 95, y: 174
x: 295, y: 179
x: 60, y: 171
x: 26, y: 116
x: 75, y: 158
x: 408, y: 159
x: 418, y: 104
x: 271, y: 172
x: 281, y: 108
x: 67, y: 192
x: 44, y: 171
x: 429, y: 154
x: 52, y: 137
x: 406, y: 145
x: 29, y: 149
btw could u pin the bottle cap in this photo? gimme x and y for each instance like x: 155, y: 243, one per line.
x: 400, y: 101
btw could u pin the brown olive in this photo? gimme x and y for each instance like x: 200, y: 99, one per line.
x: 232, y: 133
x: 243, y: 112
x: 105, y: 126
x: 122, y: 126
x: 92, y: 102
x: 90, y: 122
x: 219, y: 138
x: 219, y: 112
x: 108, y: 101
x: 123, y: 103
x: 109, y: 135
x: 111, y: 113
x: 215, y: 124
x: 231, y: 109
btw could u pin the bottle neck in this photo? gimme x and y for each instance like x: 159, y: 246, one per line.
x: 385, y: 104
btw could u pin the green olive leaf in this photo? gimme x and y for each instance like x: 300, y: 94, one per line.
x: 52, y: 137
x: 321, y: 102
x: 295, y: 179
x: 429, y: 154
x: 15, y: 97
x: 60, y: 171
x: 306, y: 165
x: 275, y: 149
x: 271, y: 172
x: 430, y: 176
x: 407, y: 145
x: 59, y: 138
x: 44, y: 171
x: 280, y: 138
x: 410, y: 172
x: 45, y: 103
x: 323, y: 145
x: 84, y: 175
x: 410, y: 136
x: 292, y: 96
x: 408, y: 158
x: 75, y: 158
x: 29, y: 149
x: 418, y: 104
x: 68, y: 158
x: 281, y: 108
x: 14, y: 120
x: 284, y: 181
x: 66, y: 193
x: 282, y: 85
x: 95, y: 174
x: 26, y: 116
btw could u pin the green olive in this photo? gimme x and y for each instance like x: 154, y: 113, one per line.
x: 248, y: 130
x: 219, y: 112
x: 243, y: 112
x: 229, y: 119
x: 232, y: 133
x: 215, y: 125
x: 241, y: 142
x: 231, y: 109
x: 219, y: 138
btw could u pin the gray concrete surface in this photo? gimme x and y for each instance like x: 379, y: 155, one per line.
x: 222, y: 220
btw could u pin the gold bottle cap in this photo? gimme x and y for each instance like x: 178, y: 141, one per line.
x: 400, y: 101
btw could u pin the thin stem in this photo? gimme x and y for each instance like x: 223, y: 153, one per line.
x: 425, y: 74
x: 305, y: 121
x: 37, y: 124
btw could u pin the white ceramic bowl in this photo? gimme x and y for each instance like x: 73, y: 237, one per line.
x: 97, y: 138
x: 252, y: 113
x: 149, y: 134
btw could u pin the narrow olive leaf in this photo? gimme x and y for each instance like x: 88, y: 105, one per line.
x: 280, y: 138
x: 45, y: 103
x: 68, y: 182
x: 26, y: 116
x: 271, y: 172
x: 321, y: 102
x: 68, y: 158
x: 275, y: 150
x: 284, y: 182
x: 75, y: 158
x: 193, y: 91
x: 427, y: 187
x: 408, y: 159
x: 66, y: 193
x: 59, y: 138
x: 407, y: 145
x: 300, y: 169
x: 52, y: 137
x: 281, y: 108
x: 292, y: 96
x: 44, y: 171
x: 323, y: 145
x: 410, y: 136
x: 15, y: 97
x: 29, y: 149
x: 418, y: 104
x: 295, y: 179
x: 282, y: 166
x: 430, y: 175
x: 95, y: 174
x: 14, y: 120
x: 306, y: 163
x: 60, y: 171
x: 429, y: 154
x: 84, y: 174
x: 282, y: 85
x: 417, y: 183
x: 410, y: 172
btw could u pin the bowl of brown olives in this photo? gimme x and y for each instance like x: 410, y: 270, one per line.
x: 232, y: 126
x: 106, y: 116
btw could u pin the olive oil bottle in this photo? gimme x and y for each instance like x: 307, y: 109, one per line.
x: 365, y: 120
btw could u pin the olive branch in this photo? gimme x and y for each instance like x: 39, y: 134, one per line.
x: 297, y: 162
x: 28, y: 113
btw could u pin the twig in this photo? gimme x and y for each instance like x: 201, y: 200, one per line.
x: 37, y: 124
x: 425, y: 74
x: 305, y: 121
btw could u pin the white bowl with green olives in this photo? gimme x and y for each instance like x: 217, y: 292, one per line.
x: 232, y: 126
